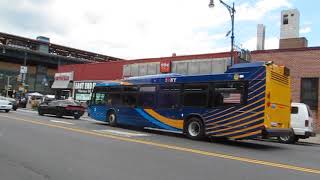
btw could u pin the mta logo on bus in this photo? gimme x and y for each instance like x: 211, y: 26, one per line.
x: 170, y: 80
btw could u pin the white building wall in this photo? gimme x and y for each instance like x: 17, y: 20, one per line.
x: 187, y: 67
x: 261, y: 35
x: 290, y: 24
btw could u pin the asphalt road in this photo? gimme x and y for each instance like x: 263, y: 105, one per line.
x: 44, y: 147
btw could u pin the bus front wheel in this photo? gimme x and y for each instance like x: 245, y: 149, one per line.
x: 195, y: 129
x: 112, y: 118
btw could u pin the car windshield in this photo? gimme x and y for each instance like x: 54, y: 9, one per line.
x: 309, y: 111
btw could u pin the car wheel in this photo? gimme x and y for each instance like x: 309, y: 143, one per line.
x: 59, y: 115
x: 76, y: 116
x: 194, y: 129
x: 289, y: 139
x: 7, y: 110
x: 112, y: 118
x: 40, y: 112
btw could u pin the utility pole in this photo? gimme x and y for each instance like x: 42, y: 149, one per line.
x: 232, y: 12
x: 8, y: 83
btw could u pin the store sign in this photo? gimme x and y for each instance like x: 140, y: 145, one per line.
x: 67, y: 76
x: 165, y: 67
x: 84, y: 85
x: 83, y: 90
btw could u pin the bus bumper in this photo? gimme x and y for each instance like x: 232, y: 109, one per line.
x: 276, y: 132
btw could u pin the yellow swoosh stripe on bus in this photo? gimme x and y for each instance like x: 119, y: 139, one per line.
x: 232, y: 122
x: 177, y: 123
x: 232, y: 127
x: 241, y: 130
x: 240, y: 114
x: 256, y: 96
x: 256, y: 90
x: 223, y: 115
x: 246, y: 135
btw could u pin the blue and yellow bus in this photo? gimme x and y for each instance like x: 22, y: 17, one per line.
x: 248, y: 100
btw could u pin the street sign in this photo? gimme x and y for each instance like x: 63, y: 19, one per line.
x: 23, y: 69
x: 21, y: 88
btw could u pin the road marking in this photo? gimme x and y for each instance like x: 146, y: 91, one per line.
x: 121, y: 133
x: 177, y: 148
x: 62, y: 122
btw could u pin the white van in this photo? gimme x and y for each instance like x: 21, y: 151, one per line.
x: 301, y: 123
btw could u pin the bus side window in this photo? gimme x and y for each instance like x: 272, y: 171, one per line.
x: 114, y: 99
x: 114, y: 95
x: 100, y: 98
x: 147, y: 100
x: 169, y: 96
x: 147, y: 96
x: 195, y: 95
x: 130, y: 95
x: 229, y: 93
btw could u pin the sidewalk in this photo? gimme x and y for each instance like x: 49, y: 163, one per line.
x: 26, y: 110
x: 314, y: 140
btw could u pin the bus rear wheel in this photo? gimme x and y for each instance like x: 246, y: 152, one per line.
x: 195, y: 129
x: 112, y: 118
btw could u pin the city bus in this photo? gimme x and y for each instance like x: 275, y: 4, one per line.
x: 247, y: 101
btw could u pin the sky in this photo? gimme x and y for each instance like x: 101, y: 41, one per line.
x: 134, y: 29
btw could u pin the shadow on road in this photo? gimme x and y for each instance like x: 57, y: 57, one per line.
x: 248, y: 144
x: 256, y: 145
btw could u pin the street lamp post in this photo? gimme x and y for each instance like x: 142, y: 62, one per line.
x: 8, y: 84
x: 232, y: 11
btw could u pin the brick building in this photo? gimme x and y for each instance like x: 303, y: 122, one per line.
x: 304, y: 65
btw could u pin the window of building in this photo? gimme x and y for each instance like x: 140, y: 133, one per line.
x: 229, y: 93
x: 309, y: 92
x: 195, y: 95
x: 285, y: 19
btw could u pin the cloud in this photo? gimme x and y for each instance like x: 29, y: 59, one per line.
x: 305, y: 30
x: 254, y: 12
x: 130, y: 29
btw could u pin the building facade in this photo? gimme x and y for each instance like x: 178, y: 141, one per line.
x: 290, y: 24
x: 28, y: 65
x: 304, y: 65
x: 261, y: 36
x: 85, y: 75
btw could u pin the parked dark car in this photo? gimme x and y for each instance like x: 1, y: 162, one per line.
x: 61, y: 108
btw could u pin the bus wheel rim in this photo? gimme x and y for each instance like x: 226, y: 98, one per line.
x: 112, y: 117
x: 194, y: 128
